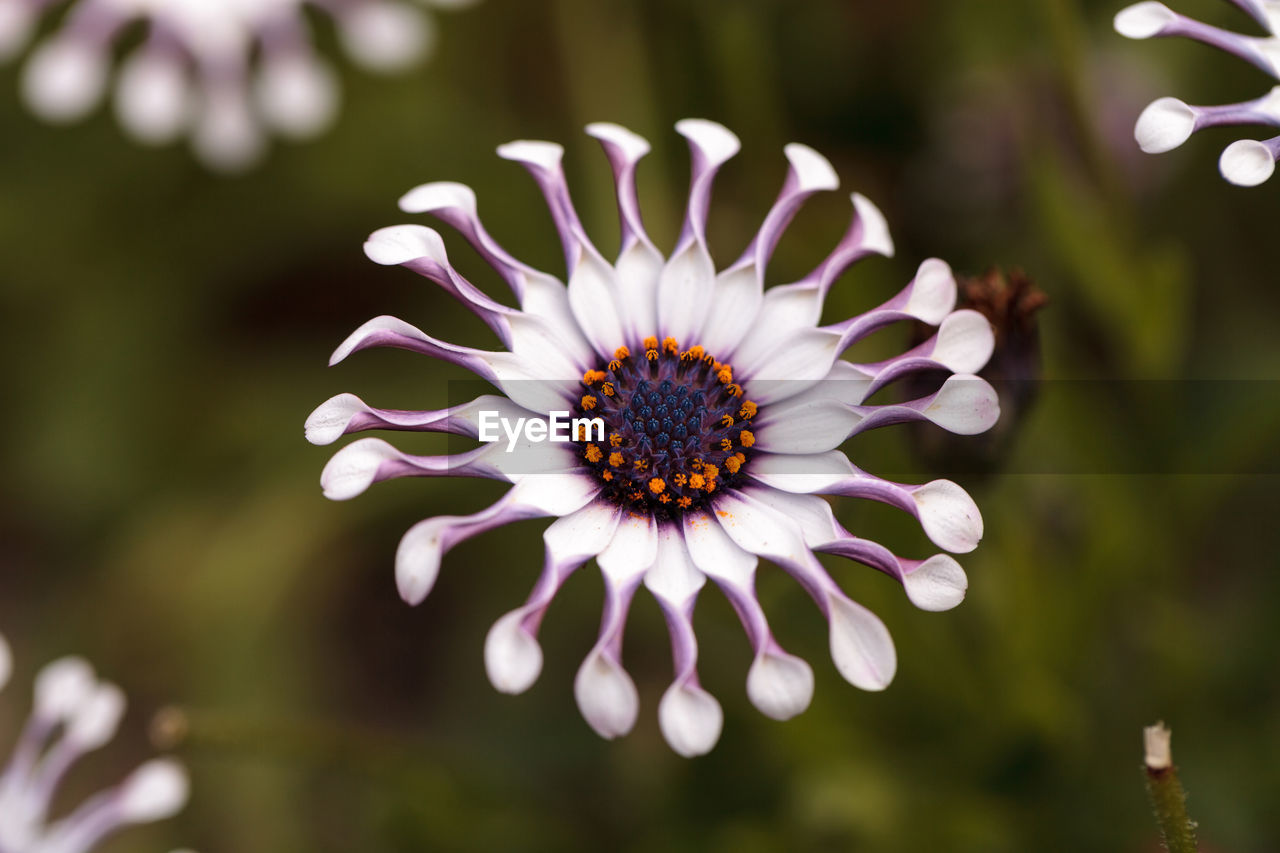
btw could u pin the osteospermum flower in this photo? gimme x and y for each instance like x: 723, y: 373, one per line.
x: 74, y: 714
x: 722, y: 403
x: 225, y: 71
x: 1168, y: 122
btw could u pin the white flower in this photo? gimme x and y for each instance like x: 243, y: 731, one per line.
x: 223, y: 71
x: 724, y: 405
x: 74, y: 714
x: 1168, y: 122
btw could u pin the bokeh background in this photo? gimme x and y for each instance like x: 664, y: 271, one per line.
x: 164, y: 333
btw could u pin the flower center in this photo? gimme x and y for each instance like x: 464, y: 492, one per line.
x: 676, y: 427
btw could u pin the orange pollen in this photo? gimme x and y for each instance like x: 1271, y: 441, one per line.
x: 725, y: 375
x: 615, y: 440
x: 594, y: 454
x: 591, y: 377
x: 651, y: 354
x: 616, y: 459
x: 732, y: 464
x: 607, y: 476
x: 697, y: 481
x: 651, y: 342
x: 711, y: 486
x: 670, y: 345
x: 748, y: 410
x: 641, y: 464
x: 710, y: 472
x: 747, y: 438
x: 710, y: 359
x: 726, y: 444
x: 607, y: 389
x: 679, y: 479
x: 657, y: 485
x: 696, y: 353
x: 734, y: 389
x: 664, y: 498
x: 621, y: 354
x: 683, y: 503
x: 696, y: 464
x: 727, y: 420
x: 588, y: 402
x: 615, y: 365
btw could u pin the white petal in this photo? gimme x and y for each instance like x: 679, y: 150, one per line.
x: 1143, y: 20
x: 685, y: 289
x: 544, y: 155
x: 512, y: 657
x: 632, y: 144
x: 806, y: 473
x: 594, y: 301
x: 673, y: 575
x: 715, y: 554
x: 691, y: 719
x: 636, y: 277
x: 860, y: 645
x: 398, y: 244
x: 810, y: 513
x: 64, y: 79
x: 440, y: 195
x: 62, y: 687
x: 297, y: 94
x: 1164, y: 125
x: 1247, y: 163
x: 153, y: 98
x: 716, y: 142
x: 735, y: 304
x: 813, y: 171
x: 965, y: 342
x: 582, y: 534
x: 353, y: 468
x: 875, y: 235
x: 780, y: 685
x: 965, y: 405
x: 933, y: 292
x: 155, y: 791
x: 386, y: 36
x: 95, y: 721
x: 950, y: 517
x: 227, y: 136
x: 632, y: 550
x: 606, y: 696
x: 939, y: 583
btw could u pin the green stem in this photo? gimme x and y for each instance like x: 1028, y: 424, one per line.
x: 1168, y: 798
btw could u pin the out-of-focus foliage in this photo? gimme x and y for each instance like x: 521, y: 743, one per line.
x: 164, y: 334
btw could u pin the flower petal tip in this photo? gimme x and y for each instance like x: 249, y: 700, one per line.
x: 418, y: 559
x: 633, y: 145
x: 1143, y: 20
x: 939, y: 583
x: 1164, y: 125
x: 861, y: 647
x: 780, y: 685
x: 544, y: 155
x: 354, y: 468
x: 875, y: 229
x: 716, y: 142
x: 691, y: 719
x: 965, y: 405
x: 439, y: 195
x: 1247, y: 163
x: 400, y: 244
x: 813, y: 171
x: 949, y: 516
x: 155, y: 791
x: 606, y: 696
x: 933, y: 292
x: 329, y: 421
x: 512, y: 656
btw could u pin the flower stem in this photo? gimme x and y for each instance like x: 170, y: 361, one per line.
x: 1168, y: 798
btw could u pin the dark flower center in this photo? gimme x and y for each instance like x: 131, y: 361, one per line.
x: 676, y: 428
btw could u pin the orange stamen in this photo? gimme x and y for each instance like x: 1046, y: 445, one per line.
x: 657, y: 485
x: 616, y: 459
x: 747, y: 438
x: 594, y: 454
x: 589, y: 402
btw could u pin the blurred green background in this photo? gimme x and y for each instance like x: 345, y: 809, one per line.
x: 164, y: 334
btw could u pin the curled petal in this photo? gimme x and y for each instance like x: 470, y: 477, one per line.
x: 1164, y: 125
x: 155, y: 791
x: 1248, y: 163
x: 860, y: 645
x: 965, y: 405
x: 780, y: 685
x: 690, y: 718
x: 606, y: 695
x: 512, y: 656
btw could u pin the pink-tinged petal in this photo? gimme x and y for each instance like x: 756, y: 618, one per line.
x: 686, y: 284
x: 359, y: 465
x: 860, y: 644
x: 344, y: 414
x: 965, y: 405
x: 605, y: 693
x: 425, y: 544
x: 512, y: 656
x: 938, y: 583
x: 948, y: 515
x: 624, y: 150
x: 1155, y: 20
x: 779, y: 684
x: 798, y: 307
x: 963, y: 344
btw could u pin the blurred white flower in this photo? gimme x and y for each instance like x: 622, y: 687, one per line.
x: 74, y: 714
x: 226, y: 72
